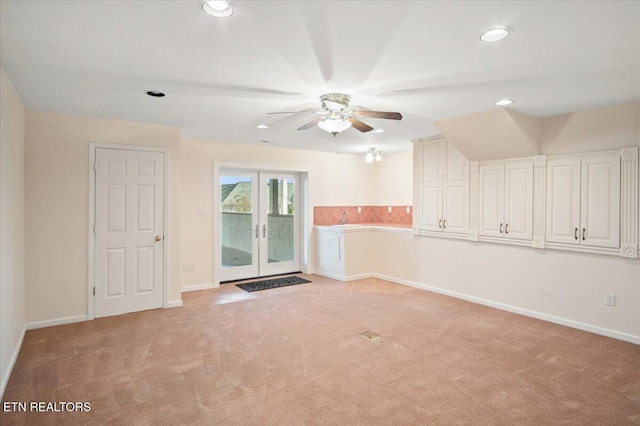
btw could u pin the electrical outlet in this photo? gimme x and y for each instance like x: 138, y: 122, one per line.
x: 416, y: 264
x: 389, y: 209
x: 192, y: 267
x: 408, y: 209
x: 359, y: 209
x: 201, y: 212
x: 185, y: 267
x: 610, y: 299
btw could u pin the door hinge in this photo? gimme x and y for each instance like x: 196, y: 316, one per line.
x: 94, y: 291
x: 95, y: 166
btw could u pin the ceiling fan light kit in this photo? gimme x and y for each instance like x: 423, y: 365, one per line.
x: 334, y: 125
x: 337, y: 119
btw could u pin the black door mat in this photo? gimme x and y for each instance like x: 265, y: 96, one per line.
x: 274, y: 283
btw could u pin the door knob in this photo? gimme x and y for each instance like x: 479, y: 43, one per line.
x: 158, y: 238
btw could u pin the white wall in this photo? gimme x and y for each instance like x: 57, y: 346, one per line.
x: 592, y: 130
x: 570, y: 286
x: 57, y: 183
x: 12, y: 227
x: 335, y: 179
x: 392, y: 180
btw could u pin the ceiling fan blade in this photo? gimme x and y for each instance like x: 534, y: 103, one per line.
x: 359, y: 125
x: 378, y: 114
x: 309, y: 124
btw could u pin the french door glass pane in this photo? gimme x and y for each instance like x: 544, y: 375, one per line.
x: 237, y: 220
x: 280, y: 218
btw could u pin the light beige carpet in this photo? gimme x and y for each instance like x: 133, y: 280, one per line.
x: 293, y: 356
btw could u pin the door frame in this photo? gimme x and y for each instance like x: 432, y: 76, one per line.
x: 93, y: 146
x: 306, y: 221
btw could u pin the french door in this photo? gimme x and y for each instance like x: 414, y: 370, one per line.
x: 259, y: 224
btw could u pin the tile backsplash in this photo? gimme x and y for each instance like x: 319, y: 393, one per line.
x: 330, y: 215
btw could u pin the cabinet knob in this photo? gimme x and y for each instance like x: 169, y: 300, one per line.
x: 575, y: 233
x: 501, y: 227
x: 440, y: 224
x: 444, y: 224
x: 583, y: 232
x: 506, y: 228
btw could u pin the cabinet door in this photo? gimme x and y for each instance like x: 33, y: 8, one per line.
x: 430, y: 217
x: 456, y: 192
x: 431, y: 155
x: 563, y: 200
x: 518, y: 200
x: 491, y: 200
x: 600, y: 201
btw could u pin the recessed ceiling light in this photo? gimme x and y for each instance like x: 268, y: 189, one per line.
x: 378, y: 131
x: 262, y: 126
x: 155, y: 94
x: 504, y: 102
x: 495, y: 34
x: 219, y: 9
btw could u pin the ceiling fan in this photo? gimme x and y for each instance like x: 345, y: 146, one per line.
x: 336, y: 118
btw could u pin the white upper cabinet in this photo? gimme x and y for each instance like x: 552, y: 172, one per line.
x: 506, y: 200
x: 583, y: 200
x: 579, y: 202
x: 444, y: 188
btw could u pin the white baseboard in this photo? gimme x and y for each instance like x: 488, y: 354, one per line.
x: 57, y: 321
x: 330, y: 275
x: 197, y: 287
x: 344, y: 278
x: 12, y: 362
x: 358, y: 277
x: 509, y: 308
x: 175, y: 304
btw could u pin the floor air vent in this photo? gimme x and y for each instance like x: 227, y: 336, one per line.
x: 369, y: 335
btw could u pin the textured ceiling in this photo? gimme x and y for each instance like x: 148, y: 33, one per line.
x: 222, y: 76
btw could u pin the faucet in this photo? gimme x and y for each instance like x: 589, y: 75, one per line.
x: 343, y: 218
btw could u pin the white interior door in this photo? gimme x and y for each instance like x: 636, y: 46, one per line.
x: 259, y: 224
x: 129, y: 231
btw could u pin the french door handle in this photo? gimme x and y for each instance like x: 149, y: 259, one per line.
x: 264, y: 231
x: 575, y: 234
x: 583, y: 231
x: 257, y: 231
x: 501, y: 227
